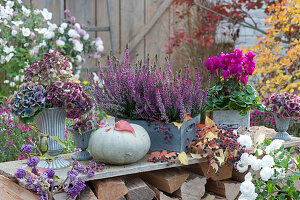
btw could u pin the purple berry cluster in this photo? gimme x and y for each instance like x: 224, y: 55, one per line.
x: 144, y: 90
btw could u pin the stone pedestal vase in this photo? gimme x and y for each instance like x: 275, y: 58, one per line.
x: 232, y: 118
x: 52, y: 122
x: 82, y: 142
x: 282, y: 125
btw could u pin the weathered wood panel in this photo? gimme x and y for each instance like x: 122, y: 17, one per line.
x: 52, y: 6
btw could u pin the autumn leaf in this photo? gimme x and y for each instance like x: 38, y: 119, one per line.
x: 187, y: 118
x: 214, y: 165
x: 183, y: 158
x: 124, y: 126
x: 197, y: 156
x: 219, y: 155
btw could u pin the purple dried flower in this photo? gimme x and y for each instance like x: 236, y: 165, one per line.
x: 91, y: 174
x: 31, y: 162
x: 21, y: 173
x: 50, y: 173
x: 26, y: 148
x: 34, y: 171
x: 78, y: 186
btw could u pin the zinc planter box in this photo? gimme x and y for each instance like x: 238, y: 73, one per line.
x: 231, y: 118
x: 179, y: 140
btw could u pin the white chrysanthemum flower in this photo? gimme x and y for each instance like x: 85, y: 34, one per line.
x: 64, y: 25
x: 36, y: 11
x: 78, y: 58
x: 51, y: 27
x: 76, y: 25
x: 78, y: 46
x: 49, y: 34
x: 61, y: 30
x: 252, y: 197
x: 248, y: 177
x: 26, y: 11
x: 9, y: 56
x: 10, y: 4
x: 245, y: 140
x: 14, y: 32
x: 266, y: 173
x: 267, y: 161
x: 100, y: 48
x: 42, y: 44
x: 60, y: 42
x: 22, y: 78
x: 46, y: 14
x: 275, y: 145
x: 244, y: 159
x: 25, y: 31
x: 20, y: 1
x: 73, y: 33
x: 6, y: 81
x: 247, y: 188
x: 2, y: 42
x: 8, y: 50
x: 241, y: 167
x: 16, y: 78
x: 256, y: 164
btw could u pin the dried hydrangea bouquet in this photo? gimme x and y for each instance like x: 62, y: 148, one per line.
x: 48, y: 96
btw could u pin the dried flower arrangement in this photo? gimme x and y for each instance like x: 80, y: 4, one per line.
x: 142, y: 91
x: 49, y: 84
x: 231, y: 92
x: 284, y: 105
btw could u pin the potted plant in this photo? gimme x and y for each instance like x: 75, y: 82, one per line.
x: 230, y: 98
x: 284, y: 106
x: 221, y: 146
x: 153, y: 97
x: 48, y: 100
x: 82, y: 131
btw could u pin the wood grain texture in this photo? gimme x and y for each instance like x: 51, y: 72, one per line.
x: 52, y: 6
x: 137, y: 189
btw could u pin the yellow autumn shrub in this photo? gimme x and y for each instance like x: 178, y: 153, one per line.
x: 278, y: 52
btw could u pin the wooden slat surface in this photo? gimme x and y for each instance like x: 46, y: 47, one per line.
x: 52, y: 6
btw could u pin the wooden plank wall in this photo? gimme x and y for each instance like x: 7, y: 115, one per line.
x: 128, y: 18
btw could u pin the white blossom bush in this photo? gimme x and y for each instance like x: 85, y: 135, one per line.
x: 26, y: 34
x: 277, y: 172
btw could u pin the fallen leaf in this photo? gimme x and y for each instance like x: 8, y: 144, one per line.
x: 187, y: 118
x: 124, y: 126
x: 214, y: 165
x: 178, y: 125
x: 220, y: 157
x: 183, y: 158
x: 171, y: 155
x: 153, y: 155
x: 197, y: 156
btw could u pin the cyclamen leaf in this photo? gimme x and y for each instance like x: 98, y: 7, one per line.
x: 183, y: 158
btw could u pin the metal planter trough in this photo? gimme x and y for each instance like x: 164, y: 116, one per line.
x: 158, y: 133
x: 231, y: 118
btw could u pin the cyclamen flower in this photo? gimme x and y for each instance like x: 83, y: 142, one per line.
x: 26, y: 149
x: 21, y: 173
x: 266, y: 173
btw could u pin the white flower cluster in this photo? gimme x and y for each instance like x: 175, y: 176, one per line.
x: 265, y: 165
x: 69, y: 37
x: 245, y: 140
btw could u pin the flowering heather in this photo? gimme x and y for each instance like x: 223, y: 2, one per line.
x: 142, y: 91
x: 54, y: 67
x: 28, y: 100
x: 284, y: 105
x: 68, y: 95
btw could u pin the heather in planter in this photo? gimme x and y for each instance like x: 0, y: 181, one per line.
x: 284, y: 106
x: 231, y: 92
x: 154, y: 94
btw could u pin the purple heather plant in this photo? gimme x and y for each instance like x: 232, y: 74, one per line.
x: 42, y: 183
x: 28, y: 100
x: 68, y: 95
x: 284, y: 105
x: 54, y: 67
x: 142, y: 90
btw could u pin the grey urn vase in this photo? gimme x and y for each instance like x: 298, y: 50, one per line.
x: 232, y: 118
x: 179, y: 139
x: 82, y: 142
x: 52, y: 122
x: 282, y: 125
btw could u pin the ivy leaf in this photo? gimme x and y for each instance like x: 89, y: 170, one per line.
x: 183, y: 158
x: 59, y: 141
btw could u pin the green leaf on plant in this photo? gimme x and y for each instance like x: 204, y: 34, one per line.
x: 292, y: 149
x: 59, y: 141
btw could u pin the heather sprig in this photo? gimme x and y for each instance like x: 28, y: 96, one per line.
x: 43, y: 182
x: 144, y: 90
x: 284, y: 105
x: 54, y: 67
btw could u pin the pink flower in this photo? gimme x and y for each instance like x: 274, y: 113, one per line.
x: 244, y: 80
x: 225, y: 74
x: 10, y: 143
x: 67, y: 12
x: 22, y: 157
x: 66, y: 136
x: 250, y: 70
x: 266, y: 120
x: 72, y: 19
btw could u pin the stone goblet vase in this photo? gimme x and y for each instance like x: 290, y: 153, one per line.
x: 82, y: 142
x: 52, y: 122
x: 282, y: 125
